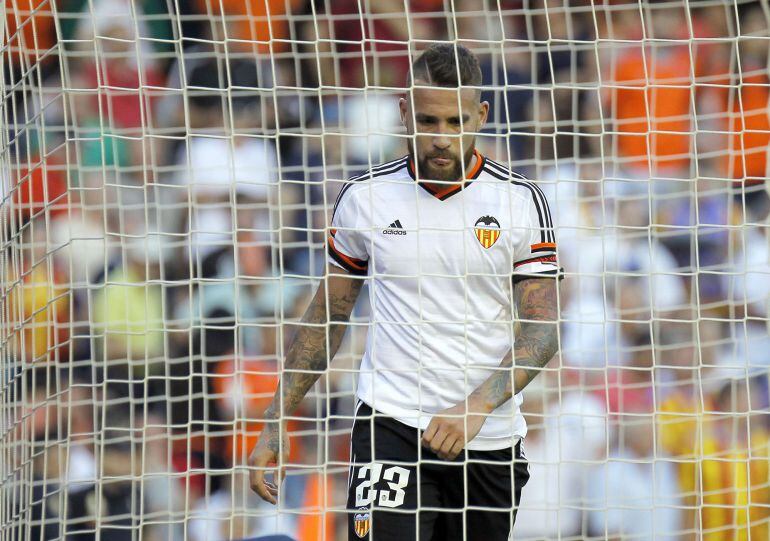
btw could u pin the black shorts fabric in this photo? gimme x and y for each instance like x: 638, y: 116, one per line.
x: 474, y: 497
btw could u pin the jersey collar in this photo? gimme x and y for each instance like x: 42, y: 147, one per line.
x: 445, y: 191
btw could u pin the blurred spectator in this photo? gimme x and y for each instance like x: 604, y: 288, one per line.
x: 128, y: 312
x: 635, y: 495
x: 376, y: 53
x: 259, y: 25
x: 635, y: 492
x: 370, y: 122
x: 733, y: 475
x: 81, y: 19
x: 121, y: 67
x: 636, y: 259
x: 40, y: 302
x: 749, y: 123
x: 228, y: 173
x: 30, y: 30
x: 747, y: 281
x: 590, y: 333
x: 511, y: 100
x: 717, y: 438
x: 649, y: 93
x: 36, y: 424
x: 79, y: 240
x: 39, y: 186
x: 750, y: 268
x: 236, y: 286
x: 566, y: 441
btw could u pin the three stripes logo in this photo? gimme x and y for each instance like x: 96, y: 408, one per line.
x: 394, y: 229
x: 487, y: 231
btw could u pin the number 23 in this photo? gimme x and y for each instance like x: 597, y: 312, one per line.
x: 397, y: 478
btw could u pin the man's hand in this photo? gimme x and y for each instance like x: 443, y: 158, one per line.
x: 451, y: 429
x: 266, y: 454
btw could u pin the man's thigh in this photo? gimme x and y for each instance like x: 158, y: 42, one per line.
x: 383, y: 483
x: 489, y: 492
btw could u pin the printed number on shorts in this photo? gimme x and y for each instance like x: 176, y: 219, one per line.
x: 397, y: 478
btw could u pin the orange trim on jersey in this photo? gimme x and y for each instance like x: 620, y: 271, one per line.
x: 351, y: 263
x: 541, y: 259
x: 541, y: 245
x: 443, y: 191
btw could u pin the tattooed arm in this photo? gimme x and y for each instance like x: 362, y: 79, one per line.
x: 307, y: 358
x: 536, y: 344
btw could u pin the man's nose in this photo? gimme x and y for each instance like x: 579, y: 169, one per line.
x: 441, y: 141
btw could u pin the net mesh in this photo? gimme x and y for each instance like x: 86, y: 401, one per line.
x: 167, y: 175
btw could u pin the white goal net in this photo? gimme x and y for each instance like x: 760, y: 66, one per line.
x: 167, y: 174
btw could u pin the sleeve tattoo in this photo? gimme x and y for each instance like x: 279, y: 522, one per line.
x: 535, y: 345
x: 312, y: 348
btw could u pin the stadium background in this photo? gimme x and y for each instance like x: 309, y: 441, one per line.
x: 167, y: 172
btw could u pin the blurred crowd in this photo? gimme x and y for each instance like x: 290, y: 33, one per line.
x: 167, y: 175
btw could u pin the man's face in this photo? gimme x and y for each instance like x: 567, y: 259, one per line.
x: 445, y: 128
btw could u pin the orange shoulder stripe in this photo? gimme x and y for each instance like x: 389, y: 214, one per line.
x: 355, y: 263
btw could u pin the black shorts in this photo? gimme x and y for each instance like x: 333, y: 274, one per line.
x: 476, y: 496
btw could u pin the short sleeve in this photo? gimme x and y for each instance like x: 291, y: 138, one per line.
x: 536, y: 253
x: 346, y: 245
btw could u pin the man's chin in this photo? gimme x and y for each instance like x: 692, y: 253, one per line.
x: 431, y: 174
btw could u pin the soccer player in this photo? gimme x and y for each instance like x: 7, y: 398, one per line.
x: 450, y: 241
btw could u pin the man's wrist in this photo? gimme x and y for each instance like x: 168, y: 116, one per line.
x: 480, y: 404
x: 272, y: 414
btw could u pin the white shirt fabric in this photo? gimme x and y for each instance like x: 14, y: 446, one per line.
x: 442, y: 307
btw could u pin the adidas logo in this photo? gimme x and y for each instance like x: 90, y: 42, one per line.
x: 394, y: 229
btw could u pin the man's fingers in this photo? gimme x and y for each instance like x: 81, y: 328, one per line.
x: 430, y: 432
x: 257, y: 478
x: 438, y: 440
x: 447, y: 446
x: 262, y: 487
x: 457, y: 448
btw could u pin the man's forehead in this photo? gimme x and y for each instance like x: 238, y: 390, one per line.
x: 436, y: 97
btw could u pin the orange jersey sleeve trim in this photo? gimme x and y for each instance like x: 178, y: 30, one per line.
x: 350, y: 264
x: 541, y: 259
x: 543, y: 246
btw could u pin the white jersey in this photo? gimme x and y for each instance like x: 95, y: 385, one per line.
x: 440, y: 266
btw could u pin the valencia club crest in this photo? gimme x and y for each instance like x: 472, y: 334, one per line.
x: 487, y: 230
x: 361, y: 523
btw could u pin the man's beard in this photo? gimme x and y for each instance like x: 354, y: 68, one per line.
x: 427, y: 172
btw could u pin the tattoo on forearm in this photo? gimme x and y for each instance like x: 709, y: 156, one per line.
x: 535, y: 344
x: 310, y: 352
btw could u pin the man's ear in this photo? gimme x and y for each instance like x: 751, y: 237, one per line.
x: 402, y: 109
x: 483, y: 113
